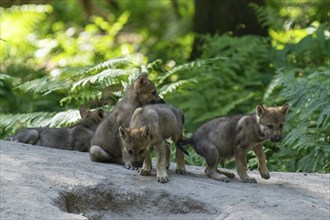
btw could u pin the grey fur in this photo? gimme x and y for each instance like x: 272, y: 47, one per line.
x: 152, y: 125
x: 231, y: 136
x: 76, y: 137
x: 106, y: 145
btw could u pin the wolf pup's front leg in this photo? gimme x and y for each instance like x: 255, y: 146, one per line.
x: 161, y: 163
x: 147, y: 165
x: 264, y: 173
x: 240, y: 156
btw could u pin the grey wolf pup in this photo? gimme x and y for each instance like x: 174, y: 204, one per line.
x: 153, y: 124
x: 106, y: 143
x: 76, y: 137
x: 232, y: 136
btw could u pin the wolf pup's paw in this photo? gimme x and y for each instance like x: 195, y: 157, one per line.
x: 225, y: 179
x: 249, y: 180
x: 231, y: 175
x: 144, y: 172
x: 265, y: 175
x: 180, y: 171
x: 162, y: 179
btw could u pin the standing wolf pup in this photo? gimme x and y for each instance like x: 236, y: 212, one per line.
x: 76, y: 137
x: 153, y: 124
x: 232, y: 136
x: 106, y: 143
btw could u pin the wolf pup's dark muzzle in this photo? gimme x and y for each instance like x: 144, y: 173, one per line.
x: 276, y: 138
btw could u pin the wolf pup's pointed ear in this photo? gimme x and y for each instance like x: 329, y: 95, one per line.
x: 285, y: 109
x: 145, y: 131
x: 260, y: 109
x: 84, y: 111
x: 123, y: 132
x: 99, y: 116
x: 143, y: 79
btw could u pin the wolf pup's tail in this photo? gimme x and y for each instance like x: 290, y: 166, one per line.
x: 181, y: 144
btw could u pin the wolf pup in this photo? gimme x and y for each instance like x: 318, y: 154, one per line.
x: 232, y: 136
x: 76, y: 137
x: 106, y: 143
x: 153, y: 124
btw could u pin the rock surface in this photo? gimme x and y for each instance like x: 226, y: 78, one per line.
x: 44, y: 183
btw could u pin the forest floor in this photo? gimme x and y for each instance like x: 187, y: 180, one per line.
x: 44, y: 183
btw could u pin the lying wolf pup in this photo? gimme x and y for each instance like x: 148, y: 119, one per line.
x: 106, y: 143
x: 228, y: 136
x: 153, y: 124
x: 76, y: 137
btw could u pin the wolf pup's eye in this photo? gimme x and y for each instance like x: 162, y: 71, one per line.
x: 130, y: 151
x: 141, y: 151
x: 281, y: 125
x: 154, y: 93
x: 270, y: 126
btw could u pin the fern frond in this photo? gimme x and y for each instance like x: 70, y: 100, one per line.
x: 169, y: 88
x: 110, y: 76
x: 308, y: 118
x: 17, y: 121
x: 189, y: 66
x: 119, y: 62
x: 267, y: 16
x: 62, y: 118
x: 4, y: 78
x: 43, y: 86
x: 83, y: 96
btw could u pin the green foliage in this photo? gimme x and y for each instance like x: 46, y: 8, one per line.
x: 228, y: 84
x: 304, y: 81
x: 86, y: 85
x: 162, y: 27
x: 16, y: 22
x: 306, y: 146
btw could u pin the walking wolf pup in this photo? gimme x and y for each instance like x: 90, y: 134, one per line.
x: 106, y: 143
x: 153, y: 124
x: 76, y: 137
x: 232, y: 136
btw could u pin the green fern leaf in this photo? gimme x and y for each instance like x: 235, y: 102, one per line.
x: 43, y: 86
x: 110, y: 75
x: 169, y: 88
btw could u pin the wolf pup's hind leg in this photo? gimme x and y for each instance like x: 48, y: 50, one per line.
x: 98, y: 154
x: 212, y: 160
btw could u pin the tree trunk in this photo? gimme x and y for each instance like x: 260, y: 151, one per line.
x: 221, y: 16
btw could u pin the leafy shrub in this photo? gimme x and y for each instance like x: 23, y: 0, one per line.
x: 306, y: 146
x: 304, y: 81
x: 238, y: 71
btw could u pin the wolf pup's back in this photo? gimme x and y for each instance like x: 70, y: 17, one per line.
x: 76, y: 137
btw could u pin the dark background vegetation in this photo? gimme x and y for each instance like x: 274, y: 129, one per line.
x: 208, y: 58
